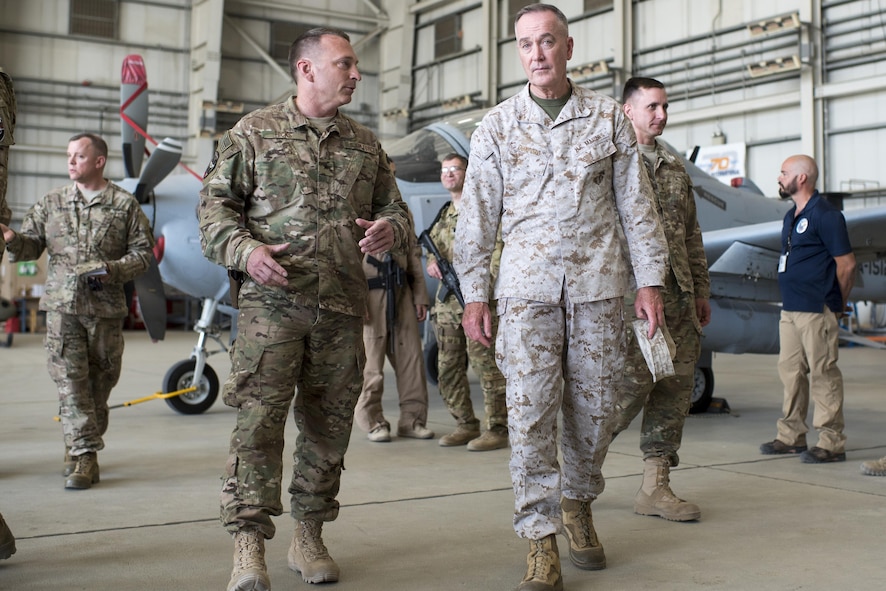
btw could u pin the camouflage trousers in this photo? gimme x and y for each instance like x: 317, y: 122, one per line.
x: 454, y: 352
x: 558, y: 357
x: 300, y: 357
x: 407, y: 361
x: 84, y: 360
x: 665, y: 403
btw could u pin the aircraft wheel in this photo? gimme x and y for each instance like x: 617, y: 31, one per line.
x: 702, y: 390
x: 431, y: 352
x: 179, y: 377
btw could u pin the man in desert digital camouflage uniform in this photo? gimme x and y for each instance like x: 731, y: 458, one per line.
x: 557, y: 167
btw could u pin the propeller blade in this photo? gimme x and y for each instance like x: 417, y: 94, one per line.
x: 163, y: 160
x: 133, y: 112
x: 152, y: 300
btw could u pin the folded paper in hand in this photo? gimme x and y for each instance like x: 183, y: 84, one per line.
x: 659, y: 351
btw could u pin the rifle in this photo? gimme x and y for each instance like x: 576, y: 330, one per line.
x: 450, y: 281
x: 390, y: 279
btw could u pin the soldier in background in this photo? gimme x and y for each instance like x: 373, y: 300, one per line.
x: 97, y: 238
x: 7, y: 126
x: 402, y: 345
x: 687, y: 289
x: 294, y: 193
x: 451, y: 342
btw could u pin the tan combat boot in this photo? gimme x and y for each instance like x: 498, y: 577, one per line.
x: 585, y: 550
x: 543, y: 566
x: 250, y: 572
x: 69, y: 462
x: 494, y: 438
x: 86, y: 472
x: 874, y: 467
x: 655, y: 496
x: 309, y: 556
x: 462, y: 434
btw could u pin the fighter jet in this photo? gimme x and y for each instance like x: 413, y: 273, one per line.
x: 741, y: 231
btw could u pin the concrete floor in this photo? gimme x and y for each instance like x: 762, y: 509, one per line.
x: 416, y: 516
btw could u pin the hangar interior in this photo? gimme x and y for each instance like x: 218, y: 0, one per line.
x: 773, y: 77
x: 776, y: 77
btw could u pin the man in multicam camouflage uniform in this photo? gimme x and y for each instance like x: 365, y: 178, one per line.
x: 294, y: 193
x: 7, y: 126
x: 98, y: 239
x: 452, y: 344
x: 557, y: 166
x: 686, y: 292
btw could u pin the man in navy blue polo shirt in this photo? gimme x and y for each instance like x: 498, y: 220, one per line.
x: 816, y: 271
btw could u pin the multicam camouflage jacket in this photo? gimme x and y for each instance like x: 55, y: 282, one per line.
x: 7, y: 110
x: 109, y: 231
x: 574, y: 201
x: 443, y: 235
x: 274, y: 179
x: 676, y: 207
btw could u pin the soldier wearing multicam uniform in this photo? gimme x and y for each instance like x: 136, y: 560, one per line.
x: 90, y: 226
x: 294, y: 193
x: 557, y: 166
x: 7, y: 126
x: 452, y: 344
x: 687, y: 289
x: 7, y: 129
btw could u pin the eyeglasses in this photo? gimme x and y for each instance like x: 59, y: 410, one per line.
x: 452, y: 169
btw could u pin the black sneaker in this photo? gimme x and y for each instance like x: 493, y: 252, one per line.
x: 779, y: 447
x: 819, y: 455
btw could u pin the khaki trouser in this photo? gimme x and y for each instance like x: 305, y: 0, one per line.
x: 407, y: 361
x: 557, y: 357
x: 807, y: 366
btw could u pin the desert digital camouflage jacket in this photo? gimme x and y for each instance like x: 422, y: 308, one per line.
x: 568, y: 193
x: 676, y: 207
x: 275, y: 180
x: 108, y: 231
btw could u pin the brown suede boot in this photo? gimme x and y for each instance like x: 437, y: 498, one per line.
x: 494, y: 438
x: 7, y: 540
x: 655, y: 496
x: 585, y: 550
x: 309, y: 556
x: 543, y: 566
x: 250, y: 572
x: 462, y: 434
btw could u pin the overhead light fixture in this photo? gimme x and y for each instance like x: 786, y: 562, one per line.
x: 776, y: 66
x: 775, y: 24
x: 586, y: 70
